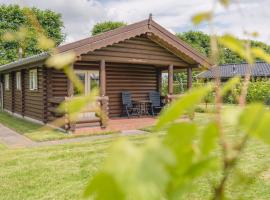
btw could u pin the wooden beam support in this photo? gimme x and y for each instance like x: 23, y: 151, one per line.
x: 159, y: 80
x: 70, y: 86
x: 102, y: 75
x: 189, y: 78
x: 170, y: 80
x: 132, y: 60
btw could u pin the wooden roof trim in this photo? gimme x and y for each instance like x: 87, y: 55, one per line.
x: 126, y: 32
x: 110, y: 41
x: 179, y: 44
x: 102, y: 36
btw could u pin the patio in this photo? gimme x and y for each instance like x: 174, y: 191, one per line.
x: 120, y: 125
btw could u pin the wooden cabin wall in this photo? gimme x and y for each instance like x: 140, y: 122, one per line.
x: 18, y: 96
x: 25, y: 102
x: 7, y: 105
x: 56, y: 86
x: 58, y: 83
x: 33, y: 100
x: 138, y: 79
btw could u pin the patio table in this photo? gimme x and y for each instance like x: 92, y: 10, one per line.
x: 143, y: 106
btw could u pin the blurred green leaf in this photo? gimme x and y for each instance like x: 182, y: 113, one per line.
x: 75, y: 105
x: 74, y: 79
x: 225, y: 3
x: 184, y: 104
x: 44, y: 42
x: 104, y: 186
x: 235, y: 45
x: 200, y: 17
x: 140, y: 172
x: 59, y: 61
x: 255, y: 121
x: 260, y: 53
x: 208, y: 140
x: 229, y: 85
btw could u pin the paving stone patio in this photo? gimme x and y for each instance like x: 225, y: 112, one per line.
x: 122, y: 124
x: 12, y: 139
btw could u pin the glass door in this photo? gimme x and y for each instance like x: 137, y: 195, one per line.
x: 90, y: 80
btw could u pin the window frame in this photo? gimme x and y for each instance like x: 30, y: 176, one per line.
x: 7, y: 82
x: 33, y: 79
x: 18, y: 81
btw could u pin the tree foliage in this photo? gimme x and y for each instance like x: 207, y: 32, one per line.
x: 13, y: 18
x: 201, y: 42
x: 106, y: 26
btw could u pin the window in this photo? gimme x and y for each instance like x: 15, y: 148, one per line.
x: 18, y: 81
x: 6, y: 81
x: 33, y: 82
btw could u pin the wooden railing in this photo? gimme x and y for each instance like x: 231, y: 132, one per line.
x: 70, y: 124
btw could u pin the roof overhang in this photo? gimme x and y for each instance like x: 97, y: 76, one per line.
x: 153, y: 30
x: 25, y: 61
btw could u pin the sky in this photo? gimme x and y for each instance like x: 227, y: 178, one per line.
x: 80, y: 15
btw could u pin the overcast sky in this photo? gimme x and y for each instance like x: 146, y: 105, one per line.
x: 80, y: 15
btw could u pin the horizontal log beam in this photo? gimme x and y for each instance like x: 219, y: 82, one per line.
x: 131, y: 60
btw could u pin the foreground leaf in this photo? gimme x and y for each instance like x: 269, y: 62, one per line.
x: 104, y: 186
x: 208, y: 139
x: 235, y: 45
x: 203, y: 16
x: 182, y: 105
x: 230, y: 85
x: 255, y: 121
x: 60, y: 61
x: 140, y: 172
x: 260, y: 53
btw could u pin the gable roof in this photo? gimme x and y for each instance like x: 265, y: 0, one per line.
x: 155, y: 32
x: 259, y: 69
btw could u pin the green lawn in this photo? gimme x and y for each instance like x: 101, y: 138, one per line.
x: 62, y: 172
x: 35, y: 131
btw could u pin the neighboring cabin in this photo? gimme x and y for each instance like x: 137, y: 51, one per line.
x: 227, y: 71
x: 129, y: 58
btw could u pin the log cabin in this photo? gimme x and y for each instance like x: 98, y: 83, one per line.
x: 130, y: 58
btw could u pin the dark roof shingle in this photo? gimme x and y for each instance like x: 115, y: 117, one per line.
x: 259, y: 69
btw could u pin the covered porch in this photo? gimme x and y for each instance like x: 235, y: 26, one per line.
x: 137, y: 79
x: 130, y: 59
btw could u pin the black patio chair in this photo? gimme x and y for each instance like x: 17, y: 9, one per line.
x: 156, y: 104
x: 129, y: 108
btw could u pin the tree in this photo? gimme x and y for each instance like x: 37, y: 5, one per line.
x: 13, y: 19
x: 201, y: 42
x: 106, y: 26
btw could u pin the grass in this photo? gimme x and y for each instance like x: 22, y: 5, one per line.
x: 55, y: 172
x: 62, y: 171
x: 34, y: 131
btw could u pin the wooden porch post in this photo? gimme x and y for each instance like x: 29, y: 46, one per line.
x: 159, y: 80
x: 70, y: 86
x: 102, y: 78
x: 104, y: 99
x: 170, y: 80
x: 71, y: 125
x: 189, y: 78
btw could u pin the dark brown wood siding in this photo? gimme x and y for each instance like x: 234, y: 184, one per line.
x: 137, y: 50
x: 17, y: 100
x: 56, y: 86
x: 138, y: 79
x: 7, y: 93
x: 34, y: 105
x: 59, y: 83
